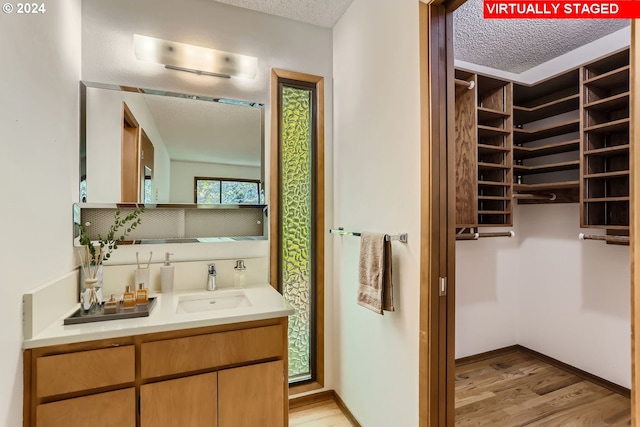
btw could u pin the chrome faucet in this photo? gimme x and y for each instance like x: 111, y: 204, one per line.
x: 211, y: 282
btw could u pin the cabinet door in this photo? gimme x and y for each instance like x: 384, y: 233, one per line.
x: 184, y: 402
x: 112, y: 409
x: 252, y: 396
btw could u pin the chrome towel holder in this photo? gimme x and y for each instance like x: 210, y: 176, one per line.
x: 402, y: 237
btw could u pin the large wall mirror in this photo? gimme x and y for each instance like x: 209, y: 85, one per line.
x: 157, y: 147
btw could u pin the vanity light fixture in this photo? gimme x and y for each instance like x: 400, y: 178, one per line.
x: 194, y: 59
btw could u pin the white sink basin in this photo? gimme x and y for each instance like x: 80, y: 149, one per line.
x: 212, y: 301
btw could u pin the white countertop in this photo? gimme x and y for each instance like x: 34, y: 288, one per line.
x: 265, y: 303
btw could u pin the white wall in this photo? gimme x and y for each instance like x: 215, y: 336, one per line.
x: 377, y: 188
x: 38, y: 169
x: 487, y: 283
x: 548, y: 291
x: 575, y: 296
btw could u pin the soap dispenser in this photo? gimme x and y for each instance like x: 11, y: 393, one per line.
x: 166, y: 274
x: 238, y: 274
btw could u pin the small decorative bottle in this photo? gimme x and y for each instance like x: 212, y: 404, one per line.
x: 142, y: 296
x: 238, y: 275
x: 128, y: 298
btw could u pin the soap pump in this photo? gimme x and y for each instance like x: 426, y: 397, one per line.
x: 238, y: 276
x: 166, y: 274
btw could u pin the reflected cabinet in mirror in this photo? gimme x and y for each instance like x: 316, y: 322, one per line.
x: 157, y: 147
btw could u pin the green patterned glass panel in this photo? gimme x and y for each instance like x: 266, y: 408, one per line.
x: 296, y: 223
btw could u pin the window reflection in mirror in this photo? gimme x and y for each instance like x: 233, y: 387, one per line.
x: 179, y: 137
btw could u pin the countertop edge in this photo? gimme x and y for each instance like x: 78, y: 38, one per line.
x: 177, y: 323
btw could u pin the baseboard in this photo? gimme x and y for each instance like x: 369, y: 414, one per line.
x: 616, y: 388
x: 486, y: 355
x: 323, y: 396
x: 347, y: 413
x: 310, y: 399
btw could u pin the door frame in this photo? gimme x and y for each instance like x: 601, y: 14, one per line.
x: 436, y: 395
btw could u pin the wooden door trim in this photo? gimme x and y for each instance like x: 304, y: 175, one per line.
x: 274, y: 184
x: 433, y: 347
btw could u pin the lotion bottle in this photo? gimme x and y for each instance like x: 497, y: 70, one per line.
x: 128, y: 298
x: 166, y: 274
x: 142, y: 295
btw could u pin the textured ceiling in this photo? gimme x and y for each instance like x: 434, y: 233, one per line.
x: 516, y: 45
x: 324, y: 13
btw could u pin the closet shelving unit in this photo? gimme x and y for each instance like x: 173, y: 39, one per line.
x: 546, y: 139
x: 605, y: 144
x: 565, y: 139
x: 483, y: 152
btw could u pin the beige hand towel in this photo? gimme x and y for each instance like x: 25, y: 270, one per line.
x: 375, y: 291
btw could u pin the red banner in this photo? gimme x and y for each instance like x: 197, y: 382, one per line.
x: 503, y: 9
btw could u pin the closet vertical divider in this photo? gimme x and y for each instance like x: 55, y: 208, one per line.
x: 466, y: 123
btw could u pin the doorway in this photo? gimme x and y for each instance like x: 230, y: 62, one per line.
x: 438, y: 275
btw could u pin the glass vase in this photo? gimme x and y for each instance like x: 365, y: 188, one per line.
x: 91, y: 289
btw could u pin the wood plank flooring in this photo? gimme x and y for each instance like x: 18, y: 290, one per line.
x: 321, y: 414
x: 517, y: 389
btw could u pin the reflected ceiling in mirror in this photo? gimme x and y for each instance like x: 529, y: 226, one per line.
x: 148, y: 146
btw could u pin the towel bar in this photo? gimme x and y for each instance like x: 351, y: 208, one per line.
x: 402, y: 237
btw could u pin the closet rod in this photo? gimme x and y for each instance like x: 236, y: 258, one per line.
x: 476, y: 236
x: 527, y: 196
x: 469, y: 85
x: 613, y: 239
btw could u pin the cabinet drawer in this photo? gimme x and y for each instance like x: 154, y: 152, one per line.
x: 180, y: 355
x: 112, y: 409
x: 84, y: 370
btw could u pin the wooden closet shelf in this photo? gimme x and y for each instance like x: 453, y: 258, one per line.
x: 520, y: 152
x: 606, y: 226
x: 615, y: 174
x: 485, y: 113
x: 607, y: 199
x: 553, y: 167
x: 614, y: 126
x: 615, y: 77
x: 485, y: 165
x: 522, y: 135
x: 486, y: 148
x: 614, y: 102
x: 499, y: 198
x: 491, y: 131
x: 526, y: 114
x: 615, y: 149
x: 494, y: 212
x: 546, y: 187
x: 493, y: 184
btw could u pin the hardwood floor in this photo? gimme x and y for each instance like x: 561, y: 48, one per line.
x: 321, y: 414
x: 517, y: 389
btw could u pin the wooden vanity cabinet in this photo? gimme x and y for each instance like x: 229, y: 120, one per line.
x: 227, y: 376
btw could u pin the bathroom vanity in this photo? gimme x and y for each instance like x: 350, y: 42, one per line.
x: 186, y: 364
